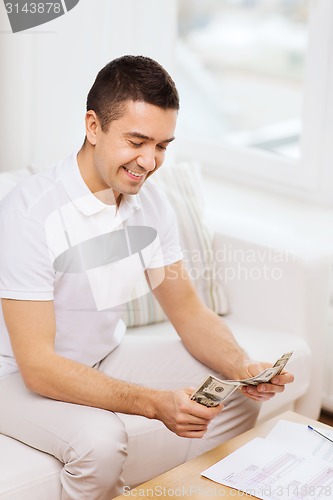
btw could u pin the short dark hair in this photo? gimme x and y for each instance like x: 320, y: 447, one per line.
x: 134, y: 78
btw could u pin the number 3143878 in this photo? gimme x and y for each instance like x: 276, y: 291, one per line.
x: 33, y: 8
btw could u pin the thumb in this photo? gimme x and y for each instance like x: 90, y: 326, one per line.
x: 255, y: 368
x: 189, y: 390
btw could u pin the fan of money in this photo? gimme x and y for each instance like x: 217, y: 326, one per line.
x: 214, y: 391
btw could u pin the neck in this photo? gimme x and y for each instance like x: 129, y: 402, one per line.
x: 85, y: 159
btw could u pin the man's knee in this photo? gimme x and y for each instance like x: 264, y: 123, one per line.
x: 97, y: 452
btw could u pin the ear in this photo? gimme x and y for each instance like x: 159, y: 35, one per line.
x: 92, y: 127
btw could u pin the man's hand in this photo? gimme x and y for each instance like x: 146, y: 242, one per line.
x: 182, y: 416
x: 263, y: 392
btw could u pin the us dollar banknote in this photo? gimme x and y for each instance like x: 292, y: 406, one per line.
x: 214, y: 391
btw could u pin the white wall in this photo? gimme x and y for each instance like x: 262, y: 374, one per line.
x: 46, y: 72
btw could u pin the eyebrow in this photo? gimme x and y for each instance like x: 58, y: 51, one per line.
x: 138, y: 135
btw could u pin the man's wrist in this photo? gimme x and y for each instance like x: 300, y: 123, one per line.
x: 238, y: 368
x: 156, y: 404
x: 150, y: 403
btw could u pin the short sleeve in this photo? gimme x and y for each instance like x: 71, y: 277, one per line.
x: 26, y: 270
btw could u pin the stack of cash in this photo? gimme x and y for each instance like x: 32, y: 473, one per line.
x: 214, y: 391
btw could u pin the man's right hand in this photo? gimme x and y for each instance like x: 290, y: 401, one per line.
x: 182, y: 416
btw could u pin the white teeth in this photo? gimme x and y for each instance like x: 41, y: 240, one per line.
x: 134, y: 173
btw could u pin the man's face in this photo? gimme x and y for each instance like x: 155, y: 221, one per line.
x: 131, y: 149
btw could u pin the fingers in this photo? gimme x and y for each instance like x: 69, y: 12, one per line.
x: 263, y: 392
x: 256, y: 394
x: 191, y: 418
x: 283, y: 378
x: 185, y: 426
x: 277, y: 384
x: 194, y: 420
x: 203, y: 412
x: 270, y: 388
x: 199, y: 410
x: 192, y: 434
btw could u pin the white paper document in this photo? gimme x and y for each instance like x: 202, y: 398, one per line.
x: 292, y: 463
x: 306, y: 442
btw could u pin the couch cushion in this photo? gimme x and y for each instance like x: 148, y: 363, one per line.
x: 27, y: 474
x: 182, y: 185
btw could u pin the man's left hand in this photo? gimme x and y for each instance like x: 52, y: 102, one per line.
x: 264, y: 392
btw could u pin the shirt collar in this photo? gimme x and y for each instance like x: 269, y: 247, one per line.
x: 81, y: 196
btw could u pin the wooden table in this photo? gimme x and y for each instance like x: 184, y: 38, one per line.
x: 185, y: 480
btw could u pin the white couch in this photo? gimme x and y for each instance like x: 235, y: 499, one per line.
x: 278, y: 294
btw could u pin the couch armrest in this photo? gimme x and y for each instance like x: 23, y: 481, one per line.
x: 276, y: 282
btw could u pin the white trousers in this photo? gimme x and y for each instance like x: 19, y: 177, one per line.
x: 90, y: 442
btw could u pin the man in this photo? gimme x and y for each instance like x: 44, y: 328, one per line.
x: 65, y: 275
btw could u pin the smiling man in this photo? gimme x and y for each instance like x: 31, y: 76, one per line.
x: 67, y: 269
x: 129, y: 151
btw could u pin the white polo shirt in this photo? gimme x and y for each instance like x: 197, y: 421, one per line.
x: 60, y: 242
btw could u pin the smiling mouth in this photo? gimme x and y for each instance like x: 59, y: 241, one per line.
x: 137, y: 175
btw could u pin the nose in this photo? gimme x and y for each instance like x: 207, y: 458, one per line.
x: 147, y: 160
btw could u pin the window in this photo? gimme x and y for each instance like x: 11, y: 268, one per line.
x: 251, y: 56
x: 255, y: 81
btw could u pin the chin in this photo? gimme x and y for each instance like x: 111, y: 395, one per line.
x: 133, y: 189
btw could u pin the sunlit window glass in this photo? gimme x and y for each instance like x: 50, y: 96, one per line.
x: 240, y: 67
